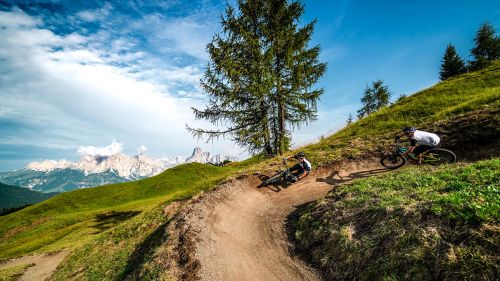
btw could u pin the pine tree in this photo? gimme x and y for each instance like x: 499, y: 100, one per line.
x: 349, y: 119
x: 374, y: 97
x: 452, y: 64
x: 236, y: 82
x: 487, y: 47
x: 401, y: 97
x: 295, y: 69
x: 381, y: 94
x: 260, y: 76
x: 368, y: 101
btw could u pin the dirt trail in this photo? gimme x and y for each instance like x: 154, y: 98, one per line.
x: 240, y: 229
x: 44, y: 265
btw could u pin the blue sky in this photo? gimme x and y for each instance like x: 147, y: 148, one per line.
x: 82, y: 74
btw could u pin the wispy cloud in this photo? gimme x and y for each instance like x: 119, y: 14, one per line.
x: 95, y: 15
x: 63, y: 89
x: 187, y: 35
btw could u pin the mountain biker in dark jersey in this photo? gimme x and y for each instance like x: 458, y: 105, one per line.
x: 301, y: 169
x: 425, y: 140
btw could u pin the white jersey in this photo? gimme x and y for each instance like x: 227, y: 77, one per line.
x: 426, y: 138
x: 307, y: 165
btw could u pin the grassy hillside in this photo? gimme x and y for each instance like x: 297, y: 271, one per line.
x: 419, y: 224
x: 72, y: 218
x: 117, y: 230
x: 14, y: 196
x: 133, y: 249
x: 463, y: 110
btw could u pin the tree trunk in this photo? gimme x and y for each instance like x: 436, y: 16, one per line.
x: 281, y: 128
x: 281, y: 108
x: 265, y: 126
x: 275, y: 130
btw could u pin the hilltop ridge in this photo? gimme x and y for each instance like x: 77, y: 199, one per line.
x: 15, y: 196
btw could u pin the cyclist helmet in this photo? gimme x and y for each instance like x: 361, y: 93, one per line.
x: 409, y: 129
x: 300, y: 155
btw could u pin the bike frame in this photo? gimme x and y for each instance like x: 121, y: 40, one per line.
x: 286, y: 171
x: 284, y: 164
x: 399, y: 150
x: 426, y: 156
x: 282, y: 174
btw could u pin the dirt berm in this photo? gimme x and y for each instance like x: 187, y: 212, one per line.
x: 238, y: 231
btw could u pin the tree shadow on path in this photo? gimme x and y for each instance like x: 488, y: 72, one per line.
x: 331, y: 180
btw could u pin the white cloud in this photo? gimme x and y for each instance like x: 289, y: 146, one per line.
x: 17, y: 18
x: 62, y: 90
x: 187, y: 35
x: 112, y: 149
x: 97, y: 14
x: 142, y: 149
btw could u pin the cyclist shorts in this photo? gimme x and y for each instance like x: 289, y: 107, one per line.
x: 422, y: 148
x: 297, y: 169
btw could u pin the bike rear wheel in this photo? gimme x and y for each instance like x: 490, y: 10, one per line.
x: 439, y: 156
x: 392, y: 161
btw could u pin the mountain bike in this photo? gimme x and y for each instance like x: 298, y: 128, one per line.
x: 433, y: 156
x: 284, y: 175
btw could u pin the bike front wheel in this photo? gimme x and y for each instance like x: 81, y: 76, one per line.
x: 439, y: 156
x: 392, y: 161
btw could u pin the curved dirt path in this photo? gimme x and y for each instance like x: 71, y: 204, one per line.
x: 43, y: 267
x: 240, y: 230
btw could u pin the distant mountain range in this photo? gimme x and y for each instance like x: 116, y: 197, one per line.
x: 95, y: 170
x: 205, y: 157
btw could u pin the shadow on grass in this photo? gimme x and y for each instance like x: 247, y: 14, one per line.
x: 105, y: 221
x: 294, y: 245
x: 144, y: 253
x: 331, y: 180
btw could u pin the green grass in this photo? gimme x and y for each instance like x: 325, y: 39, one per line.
x: 417, y: 224
x: 73, y: 218
x: 116, y: 231
x: 13, y: 273
x: 15, y: 196
x: 466, y: 94
x: 120, y: 252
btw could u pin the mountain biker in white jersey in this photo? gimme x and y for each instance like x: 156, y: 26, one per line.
x: 425, y: 140
x: 301, y: 169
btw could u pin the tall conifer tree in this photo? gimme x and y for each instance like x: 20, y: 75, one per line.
x: 381, y: 94
x: 260, y: 76
x: 349, y: 119
x: 295, y: 68
x: 452, y: 64
x: 374, y: 97
x: 236, y: 81
x: 486, y: 47
x: 368, y: 102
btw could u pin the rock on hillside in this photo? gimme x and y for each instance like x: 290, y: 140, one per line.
x: 205, y: 157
